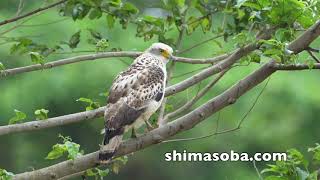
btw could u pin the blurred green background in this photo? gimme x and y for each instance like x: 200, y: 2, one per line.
x: 286, y: 115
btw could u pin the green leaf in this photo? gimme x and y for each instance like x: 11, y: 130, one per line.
x: 19, y: 117
x: 92, y: 104
x: 95, y: 14
x: 193, y: 23
x: 87, y: 100
x: 104, y: 94
x: 240, y: 2
x: 206, y: 24
x: 95, y: 34
x: 74, y: 40
x: 102, y: 45
x: 41, y: 114
x: 274, y: 178
x: 37, y: 58
x: 180, y: 3
x: 311, y: 63
x: 110, y: 20
x: 283, y: 35
x: 102, y: 173
x: 73, y: 149
x: 57, y: 151
x: 69, y: 147
x: 2, y: 67
x: 97, y: 173
x: 130, y: 8
x: 89, y: 172
x: 5, y: 175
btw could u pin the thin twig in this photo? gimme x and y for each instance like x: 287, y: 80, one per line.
x: 257, y: 170
x: 20, y: 7
x: 190, y: 72
x: 313, y: 56
x: 224, y: 131
x: 161, y: 121
x: 313, y: 49
x: 199, y: 44
x: 7, y: 21
x: 45, y: 24
x: 18, y: 25
x: 198, y: 96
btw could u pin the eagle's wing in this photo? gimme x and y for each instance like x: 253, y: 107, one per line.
x: 131, y: 93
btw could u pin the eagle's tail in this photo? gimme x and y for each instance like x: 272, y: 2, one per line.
x: 111, y: 142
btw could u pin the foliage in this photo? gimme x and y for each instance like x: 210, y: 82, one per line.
x: 41, y: 114
x: 2, y: 67
x: 68, y: 147
x: 5, y: 175
x: 115, y: 167
x: 91, y: 104
x: 118, y: 163
x: 18, y: 118
x: 96, y: 173
x: 295, y: 167
x: 36, y: 58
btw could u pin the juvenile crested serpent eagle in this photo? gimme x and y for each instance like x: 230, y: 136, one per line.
x: 135, y: 95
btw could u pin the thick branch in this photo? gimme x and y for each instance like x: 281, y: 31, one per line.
x: 31, y: 13
x: 303, y: 42
x: 52, y: 122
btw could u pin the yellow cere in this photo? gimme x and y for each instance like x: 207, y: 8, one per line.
x: 165, y: 53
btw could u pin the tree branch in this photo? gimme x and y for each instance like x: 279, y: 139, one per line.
x: 189, y: 104
x: 37, y: 67
x: 238, y: 54
x: 52, y: 122
x: 31, y: 13
x: 305, y: 39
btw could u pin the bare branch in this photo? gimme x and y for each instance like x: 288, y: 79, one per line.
x: 313, y: 49
x: 189, y: 104
x: 52, y: 122
x: 45, y: 24
x: 292, y: 67
x: 313, y: 56
x: 20, y: 7
x: 216, y: 132
x: 202, y: 61
x: 199, y: 44
x: 31, y: 13
x: 89, y: 57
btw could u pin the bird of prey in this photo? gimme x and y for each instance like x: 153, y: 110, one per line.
x: 135, y: 95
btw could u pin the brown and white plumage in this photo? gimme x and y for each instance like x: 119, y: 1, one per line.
x: 135, y: 95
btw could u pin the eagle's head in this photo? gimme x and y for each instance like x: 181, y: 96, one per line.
x: 161, y: 50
